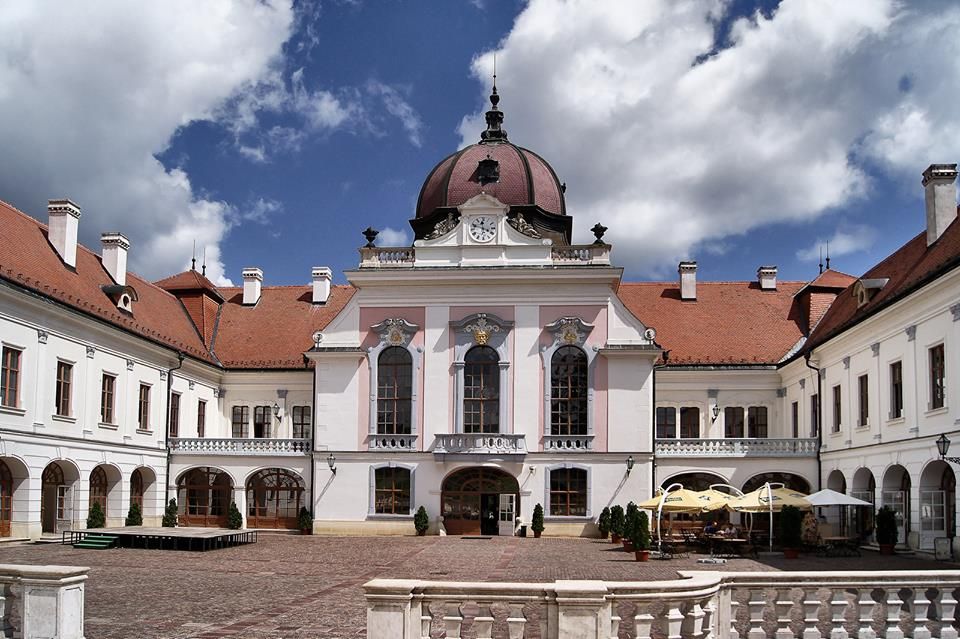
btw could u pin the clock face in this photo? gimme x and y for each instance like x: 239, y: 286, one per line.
x: 483, y: 228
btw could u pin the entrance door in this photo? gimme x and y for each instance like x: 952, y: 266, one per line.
x: 488, y: 514
x: 470, y: 499
x: 508, y: 509
x: 933, y: 517
x: 896, y: 500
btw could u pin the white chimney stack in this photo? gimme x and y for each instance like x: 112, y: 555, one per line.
x: 688, y: 280
x: 767, y: 275
x: 321, y: 284
x: 940, y: 196
x: 63, y: 218
x: 252, y: 282
x: 114, y: 256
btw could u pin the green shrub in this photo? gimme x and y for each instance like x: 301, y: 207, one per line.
x: 234, y: 518
x: 537, y: 524
x: 791, y: 527
x: 617, y: 520
x: 96, y: 518
x: 631, y: 523
x: 305, y: 519
x: 603, y: 523
x: 642, y: 540
x: 134, y: 516
x: 170, y: 515
x: 886, y: 526
x: 421, y: 520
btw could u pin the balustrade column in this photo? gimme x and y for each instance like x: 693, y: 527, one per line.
x: 783, y: 606
x: 516, y: 621
x: 584, y: 610
x: 838, y: 602
x: 643, y: 621
x: 948, y: 608
x: 920, y: 606
x: 867, y: 605
x: 894, y: 603
x: 756, y: 603
x: 453, y: 619
x: 6, y: 605
x: 811, y: 607
x: 483, y: 622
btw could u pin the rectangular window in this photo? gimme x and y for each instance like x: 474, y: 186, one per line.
x: 201, y: 418
x: 896, y: 390
x: 392, y: 491
x: 64, y: 377
x: 757, y: 422
x: 863, y: 394
x: 837, y: 408
x: 690, y: 422
x: 143, y: 408
x: 937, y: 377
x: 814, y: 415
x: 241, y: 416
x: 174, y: 414
x: 10, y: 377
x: 666, y: 422
x: 795, y: 419
x: 301, y: 422
x: 733, y: 422
x: 106, y: 398
x: 568, y: 492
x: 261, y: 421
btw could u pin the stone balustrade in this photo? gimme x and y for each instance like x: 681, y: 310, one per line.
x: 568, y: 443
x: 387, y: 257
x: 581, y: 254
x: 737, y: 447
x: 700, y: 605
x: 238, y: 446
x: 392, y: 442
x: 480, y: 444
x: 45, y: 601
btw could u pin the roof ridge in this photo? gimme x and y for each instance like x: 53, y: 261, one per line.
x: 699, y: 282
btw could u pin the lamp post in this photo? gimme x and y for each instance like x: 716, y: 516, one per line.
x: 332, y: 463
x: 629, y: 464
x: 715, y: 411
x: 943, y: 445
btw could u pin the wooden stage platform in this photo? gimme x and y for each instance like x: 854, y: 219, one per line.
x: 180, y: 538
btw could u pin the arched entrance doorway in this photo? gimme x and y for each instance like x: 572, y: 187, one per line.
x: 838, y: 516
x: 6, y: 499
x: 694, y: 481
x: 204, y: 496
x: 864, y: 487
x: 136, y: 489
x: 274, y: 497
x: 14, y: 496
x: 470, y: 500
x: 837, y: 482
x: 98, y: 488
x: 938, y: 490
x: 56, y: 496
x: 896, y: 494
x: 789, y: 480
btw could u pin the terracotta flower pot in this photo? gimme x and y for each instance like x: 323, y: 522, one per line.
x: 642, y: 555
x: 628, y: 545
x: 791, y: 553
x: 536, y: 534
x: 615, y: 538
x: 421, y: 533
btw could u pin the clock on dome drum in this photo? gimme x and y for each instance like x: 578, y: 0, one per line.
x: 483, y: 228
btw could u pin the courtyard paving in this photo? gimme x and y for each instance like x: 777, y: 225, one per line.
x: 310, y: 587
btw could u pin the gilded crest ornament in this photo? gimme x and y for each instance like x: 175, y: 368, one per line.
x: 569, y: 331
x: 481, y: 330
x: 395, y: 331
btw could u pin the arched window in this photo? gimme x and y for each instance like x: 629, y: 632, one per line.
x: 394, y: 391
x: 6, y: 499
x: 568, y: 395
x: 274, y: 498
x: 481, y: 391
x: 204, y: 496
x: 392, y: 491
x: 568, y: 492
x: 98, y: 488
x: 136, y: 488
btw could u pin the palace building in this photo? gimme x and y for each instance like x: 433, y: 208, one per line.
x: 491, y: 366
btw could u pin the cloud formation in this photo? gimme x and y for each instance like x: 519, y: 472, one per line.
x: 672, y: 139
x: 844, y: 241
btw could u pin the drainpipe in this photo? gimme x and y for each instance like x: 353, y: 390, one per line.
x: 806, y: 359
x: 653, y: 433
x: 166, y: 427
x: 313, y: 429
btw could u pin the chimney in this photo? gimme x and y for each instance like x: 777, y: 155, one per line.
x: 321, y: 276
x: 252, y: 282
x: 688, y: 280
x: 940, y: 196
x: 114, y: 256
x: 767, y: 276
x: 63, y: 218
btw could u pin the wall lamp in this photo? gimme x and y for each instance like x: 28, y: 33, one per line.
x: 629, y: 464
x: 332, y: 463
x: 715, y: 411
x: 276, y: 411
x: 943, y: 445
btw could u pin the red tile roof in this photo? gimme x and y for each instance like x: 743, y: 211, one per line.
x: 277, y: 330
x: 833, y: 279
x: 730, y: 323
x: 189, y: 281
x: 908, y: 268
x: 29, y: 261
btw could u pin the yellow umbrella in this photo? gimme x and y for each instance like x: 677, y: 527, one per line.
x: 715, y: 499
x: 769, y: 499
x: 680, y: 500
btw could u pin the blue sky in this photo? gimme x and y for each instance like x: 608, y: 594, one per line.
x: 736, y: 133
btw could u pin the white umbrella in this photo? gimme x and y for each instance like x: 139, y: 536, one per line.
x: 827, y: 497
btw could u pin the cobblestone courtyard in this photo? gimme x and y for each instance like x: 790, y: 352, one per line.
x: 310, y: 587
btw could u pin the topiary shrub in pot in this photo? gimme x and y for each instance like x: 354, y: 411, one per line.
x: 134, y: 516
x: 603, y: 523
x: 234, y: 518
x: 537, y: 524
x: 421, y: 521
x: 630, y: 524
x: 96, y: 517
x: 641, y: 540
x: 617, y: 520
x: 791, y: 531
x: 170, y: 515
x: 305, y: 521
x: 886, y: 524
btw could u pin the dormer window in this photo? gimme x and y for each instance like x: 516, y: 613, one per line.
x: 864, y: 289
x: 488, y: 170
x: 122, y: 296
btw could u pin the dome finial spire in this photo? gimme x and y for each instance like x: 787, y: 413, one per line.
x: 494, y: 116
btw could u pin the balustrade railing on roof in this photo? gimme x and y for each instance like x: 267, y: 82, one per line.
x: 737, y: 447
x: 387, y: 256
x: 238, y: 446
x: 581, y: 254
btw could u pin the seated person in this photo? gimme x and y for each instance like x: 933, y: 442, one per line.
x: 729, y: 531
x: 711, y: 529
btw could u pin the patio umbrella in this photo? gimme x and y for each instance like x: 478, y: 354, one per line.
x: 714, y: 499
x: 770, y: 498
x: 680, y: 500
x: 827, y: 497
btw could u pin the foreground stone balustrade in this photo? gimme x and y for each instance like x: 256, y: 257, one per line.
x: 238, y: 446
x: 700, y: 605
x: 48, y: 600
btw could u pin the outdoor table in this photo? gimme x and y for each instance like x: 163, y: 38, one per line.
x: 727, y: 546
x: 840, y: 546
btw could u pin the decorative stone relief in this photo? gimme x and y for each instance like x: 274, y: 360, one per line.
x: 955, y: 309
x: 520, y: 224
x: 781, y: 392
x: 803, y: 383
x: 481, y: 330
x: 281, y: 393
x: 569, y: 331
x: 129, y: 364
x: 163, y: 375
x: 911, y: 333
x: 42, y: 336
x: 713, y: 393
x: 191, y: 384
x: 443, y: 227
x: 846, y: 362
x: 91, y: 351
x: 875, y: 349
x: 395, y: 331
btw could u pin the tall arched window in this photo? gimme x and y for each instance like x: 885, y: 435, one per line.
x: 136, y: 488
x: 6, y: 499
x: 568, y: 395
x: 394, y: 391
x: 481, y: 391
x: 98, y: 488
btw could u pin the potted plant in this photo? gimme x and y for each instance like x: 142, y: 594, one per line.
x: 886, y: 525
x: 234, y: 518
x: 421, y: 521
x: 630, y: 524
x: 537, y: 524
x: 96, y: 518
x: 603, y: 523
x: 134, y: 516
x: 791, y: 531
x: 305, y: 521
x: 641, y: 541
x: 170, y: 515
x: 616, y: 523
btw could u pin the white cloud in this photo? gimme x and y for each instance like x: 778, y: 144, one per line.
x: 90, y: 92
x: 844, y: 241
x: 673, y: 148
x: 394, y: 237
x: 397, y: 106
